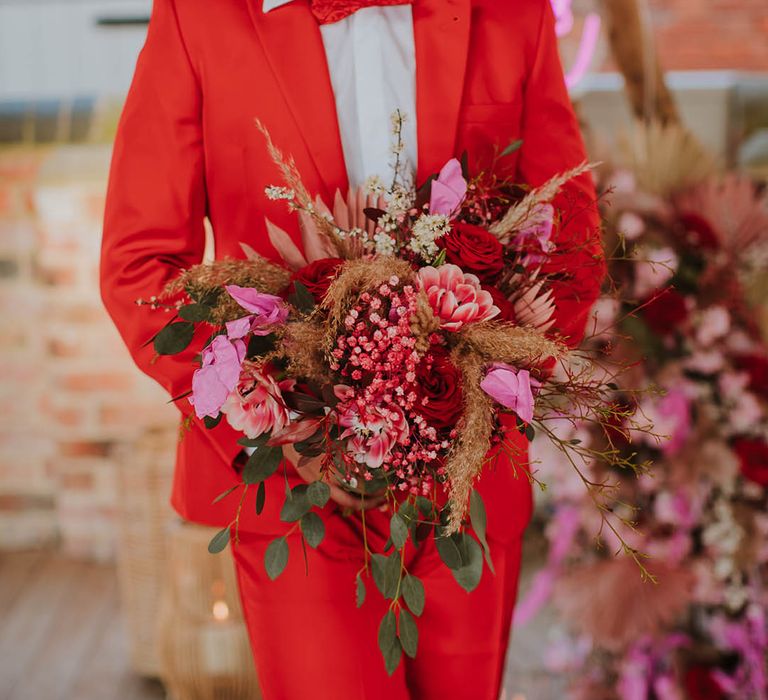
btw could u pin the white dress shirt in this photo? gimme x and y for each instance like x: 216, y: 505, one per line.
x: 372, y: 61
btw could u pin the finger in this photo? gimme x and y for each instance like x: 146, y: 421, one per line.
x: 348, y: 500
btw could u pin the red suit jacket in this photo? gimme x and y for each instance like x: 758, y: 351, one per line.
x: 488, y: 73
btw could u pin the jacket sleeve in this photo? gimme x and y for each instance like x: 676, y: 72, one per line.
x: 552, y: 144
x: 156, y: 198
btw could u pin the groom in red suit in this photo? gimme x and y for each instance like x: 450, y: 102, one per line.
x: 323, y: 76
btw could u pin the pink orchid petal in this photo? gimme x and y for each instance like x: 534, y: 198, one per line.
x: 208, y: 392
x: 511, y: 388
x: 238, y: 328
x: 448, y: 190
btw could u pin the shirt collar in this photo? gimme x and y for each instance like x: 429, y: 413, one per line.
x: 269, y: 5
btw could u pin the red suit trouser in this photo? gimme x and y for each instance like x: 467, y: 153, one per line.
x: 310, y: 640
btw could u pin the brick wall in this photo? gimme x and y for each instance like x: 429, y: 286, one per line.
x: 696, y: 34
x: 70, y: 395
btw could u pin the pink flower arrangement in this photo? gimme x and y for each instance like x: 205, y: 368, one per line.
x: 456, y: 298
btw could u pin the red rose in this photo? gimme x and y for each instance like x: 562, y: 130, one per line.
x: 699, y: 232
x: 474, y: 250
x: 756, y: 366
x: 753, y: 455
x: 439, y: 381
x: 317, y: 276
x: 700, y: 684
x: 665, y: 311
x: 507, y: 309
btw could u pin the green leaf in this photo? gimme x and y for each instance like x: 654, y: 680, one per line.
x: 386, y: 573
x: 389, y: 643
x: 211, y: 423
x: 360, y: 590
x: 480, y: 524
x: 262, y: 464
x: 530, y: 433
x: 174, y: 338
x: 196, y: 313
x: 261, y: 497
x: 318, y: 493
x: 219, y: 541
x: 449, y: 552
x: 313, y: 528
x: 260, y: 345
x: 304, y: 403
x: 398, y: 531
x: 420, y: 532
x: 296, y: 504
x: 301, y: 298
x: 468, y: 576
x: 425, y: 506
x: 223, y: 495
x: 276, y: 557
x: 413, y: 594
x: 253, y: 442
x: 509, y: 150
x: 409, y: 633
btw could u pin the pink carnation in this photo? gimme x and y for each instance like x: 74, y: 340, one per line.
x: 456, y: 297
x: 256, y: 406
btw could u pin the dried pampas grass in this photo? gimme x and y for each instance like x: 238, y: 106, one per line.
x: 478, y: 345
x: 353, y: 278
x: 518, y: 214
x: 666, y: 158
x: 612, y: 603
x: 208, y: 278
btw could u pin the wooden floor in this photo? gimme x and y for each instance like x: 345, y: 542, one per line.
x: 61, y: 637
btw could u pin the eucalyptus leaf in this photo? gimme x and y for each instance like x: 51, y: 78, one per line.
x: 262, y: 464
x: 409, y: 633
x: 530, y: 433
x: 219, y: 541
x: 174, y: 338
x: 413, y: 594
x: 313, y: 529
x: 211, y: 423
x: 509, y: 150
x: 301, y: 298
x: 386, y: 573
x: 389, y: 643
x: 480, y: 524
x: 261, y: 497
x: 259, y: 345
x: 449, y: 552
x: 296, y: 504
x: 196, y: 313
x: 398, y: 531
x: 468, y: 576
x: 318, y: 493
x: 360, y: 590
x: 223, y: 495
x: 276, y: 557
x: 253, y: 442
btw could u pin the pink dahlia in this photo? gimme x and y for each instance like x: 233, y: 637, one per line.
x: 456, y: 297
x: 374, y: 433
x: 256, y: 406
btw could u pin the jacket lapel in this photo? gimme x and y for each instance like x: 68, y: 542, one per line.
x: 441, y: 31
x: 294, y: 48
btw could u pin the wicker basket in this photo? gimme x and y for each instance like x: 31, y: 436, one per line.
x: 204, y: 649
x: 145, y: 471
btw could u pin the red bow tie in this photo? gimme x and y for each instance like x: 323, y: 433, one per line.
x: 329, y: 11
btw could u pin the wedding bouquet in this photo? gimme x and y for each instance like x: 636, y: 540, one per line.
x: 390, y: 346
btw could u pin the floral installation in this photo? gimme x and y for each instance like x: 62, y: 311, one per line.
x: 684, y: 264
x: 400, y: 344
